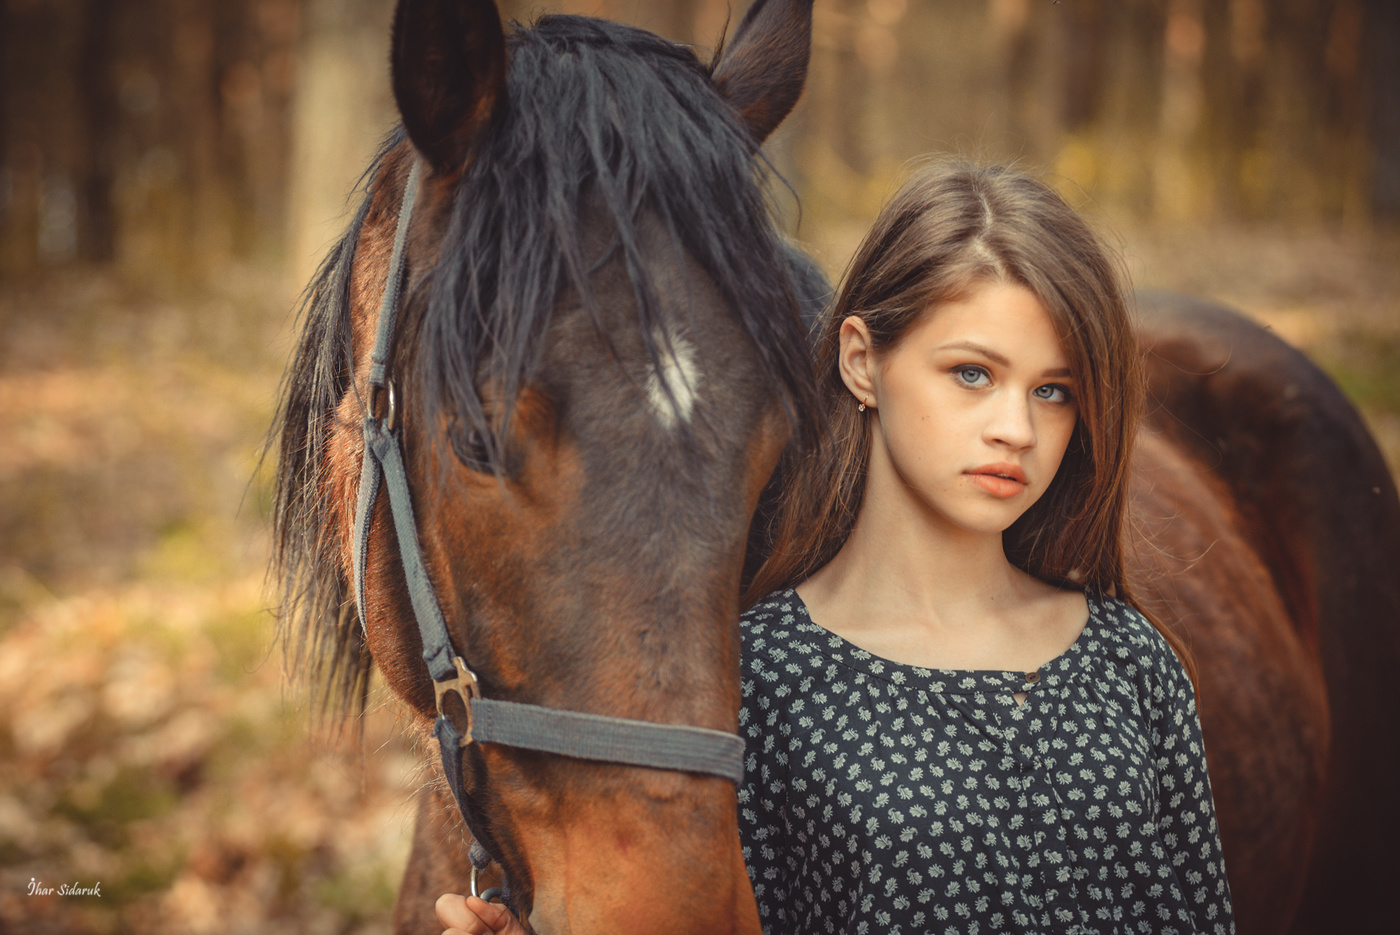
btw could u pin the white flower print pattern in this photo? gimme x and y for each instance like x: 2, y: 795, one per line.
x: 886, y: 798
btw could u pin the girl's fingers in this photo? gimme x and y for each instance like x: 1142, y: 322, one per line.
x: 473, y: 916
x: 498, y: 917
x: 456, y: 918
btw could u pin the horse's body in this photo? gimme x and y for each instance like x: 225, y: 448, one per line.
x: 1268, y: 532
x: 593, y: 396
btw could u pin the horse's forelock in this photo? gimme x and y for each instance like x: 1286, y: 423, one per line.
x: 595, y: 112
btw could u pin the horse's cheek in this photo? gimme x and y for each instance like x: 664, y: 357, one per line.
x: 341, y: 467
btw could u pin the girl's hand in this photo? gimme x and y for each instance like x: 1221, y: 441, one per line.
x: 468, y: 915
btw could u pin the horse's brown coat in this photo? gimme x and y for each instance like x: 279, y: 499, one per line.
x: 1262, y: 702
x: 1271, y: 536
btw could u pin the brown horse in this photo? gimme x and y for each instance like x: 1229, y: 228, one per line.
x: 597, y: 361
x: 1268, y: 532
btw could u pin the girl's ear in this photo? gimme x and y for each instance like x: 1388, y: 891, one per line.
x: 856, y: 361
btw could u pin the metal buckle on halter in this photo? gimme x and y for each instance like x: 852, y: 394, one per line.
x: 465, y: 686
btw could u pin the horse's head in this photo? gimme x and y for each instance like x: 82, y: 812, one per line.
x: 596, y: 362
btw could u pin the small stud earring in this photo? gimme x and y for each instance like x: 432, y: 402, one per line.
x: 861, y: 407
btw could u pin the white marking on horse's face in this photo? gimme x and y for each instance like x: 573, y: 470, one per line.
x: 681, y: 375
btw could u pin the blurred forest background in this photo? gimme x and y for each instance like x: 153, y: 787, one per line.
x: 171, y: 170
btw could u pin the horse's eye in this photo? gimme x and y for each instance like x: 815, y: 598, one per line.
x: 472, y: 449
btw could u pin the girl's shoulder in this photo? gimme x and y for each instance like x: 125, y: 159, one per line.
x: 779, y: 616
x: 775, y: 606
x: 1119, y: 620
x: 1126, y: 637
x: 777, y: 627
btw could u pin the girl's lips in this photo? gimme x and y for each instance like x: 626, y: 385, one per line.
x: 998, y: 486
x: 999, y: 480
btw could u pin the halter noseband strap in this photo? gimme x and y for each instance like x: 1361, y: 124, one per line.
x: 526, y: 726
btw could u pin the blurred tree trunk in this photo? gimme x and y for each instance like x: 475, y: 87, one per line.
x: 1176, y: 179
x: 254, y: 65
x: 204, y: 208
x: 1232, y: 68
x: 840, y: 85
x: 1345, y: 143
x: 149, y: 133
x: 9, y: 182
x: 1132, y: 100
x: 1083, y: 85
x: 1037, y: 64
x: 343, y: 108
x: 1296, y: 36
x: 37, y: 135
x: 1383, y: 55
x: 97, y: 87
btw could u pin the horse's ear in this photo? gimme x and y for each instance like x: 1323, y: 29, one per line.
x: 764, y: 68
x: 449, y: 72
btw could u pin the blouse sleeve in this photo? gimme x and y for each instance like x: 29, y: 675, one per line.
x: 1186, y: 822
x: 763, y: 796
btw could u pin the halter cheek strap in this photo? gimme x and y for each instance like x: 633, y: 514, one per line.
x: 525, y: 726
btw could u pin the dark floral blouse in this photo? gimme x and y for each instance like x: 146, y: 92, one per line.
x: 887, y: 798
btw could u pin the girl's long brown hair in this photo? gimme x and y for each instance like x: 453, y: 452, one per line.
x: 950, y: 228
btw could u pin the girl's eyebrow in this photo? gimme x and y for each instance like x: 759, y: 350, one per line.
x: 996, y: 358
x: 986, y: 352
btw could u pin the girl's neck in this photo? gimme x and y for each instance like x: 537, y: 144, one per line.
x: 910, y: 589
x: 900, y: 562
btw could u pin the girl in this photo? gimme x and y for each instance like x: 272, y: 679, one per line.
x: 957, y: 719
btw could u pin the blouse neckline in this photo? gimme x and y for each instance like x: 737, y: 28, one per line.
x: 843, y: 651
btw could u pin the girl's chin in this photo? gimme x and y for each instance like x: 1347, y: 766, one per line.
x: 987, y: 519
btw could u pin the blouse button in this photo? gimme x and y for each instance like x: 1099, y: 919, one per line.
x: 1032, y: 677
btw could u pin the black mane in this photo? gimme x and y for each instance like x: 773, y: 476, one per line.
x: 593, y: 110
x: 316, y: 618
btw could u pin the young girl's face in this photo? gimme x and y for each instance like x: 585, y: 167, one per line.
x: 974, y: 408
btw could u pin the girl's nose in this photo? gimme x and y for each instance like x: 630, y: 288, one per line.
x: 1011, y: 423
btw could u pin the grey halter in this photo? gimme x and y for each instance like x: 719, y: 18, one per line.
x: 525, y: 726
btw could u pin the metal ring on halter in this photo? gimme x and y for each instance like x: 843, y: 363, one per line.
x: 392, y: 414
x: 489, y: 895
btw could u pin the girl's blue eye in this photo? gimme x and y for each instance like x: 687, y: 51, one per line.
x: 1052, y: 392
x: 972, y: 376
